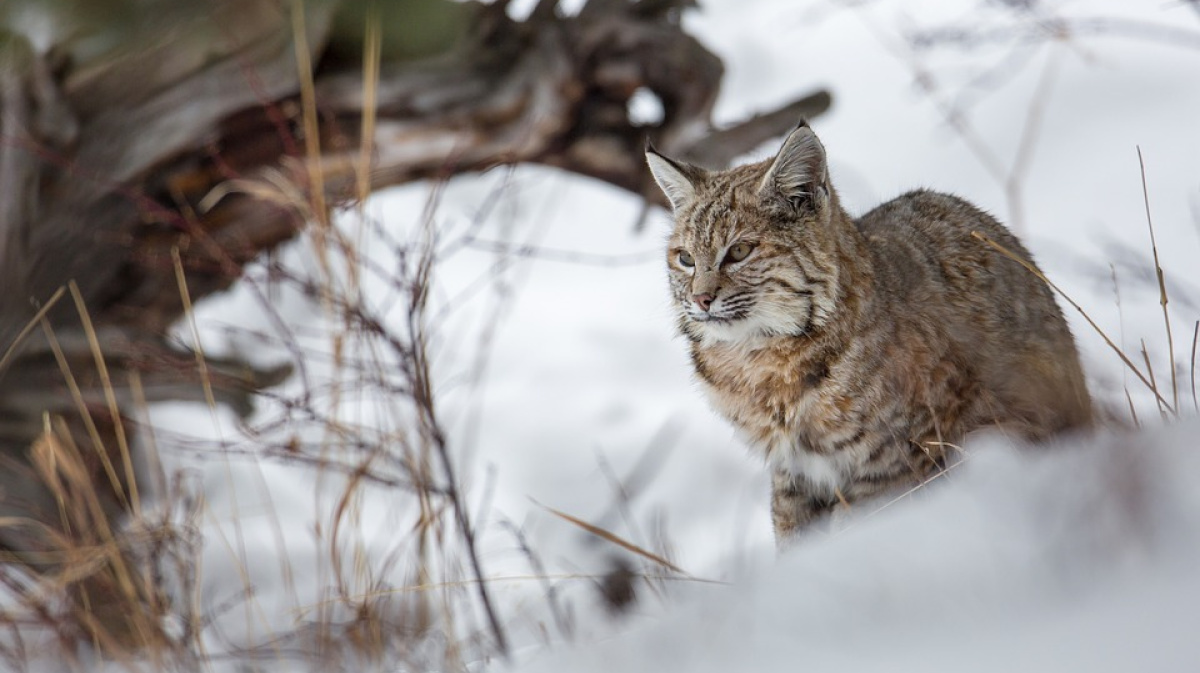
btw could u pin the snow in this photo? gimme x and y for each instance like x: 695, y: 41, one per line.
x: 1081, y: 557
x: 562, y: 385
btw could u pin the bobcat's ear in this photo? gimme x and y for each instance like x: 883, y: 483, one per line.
x: 677, y: 179
x: 798, y: 174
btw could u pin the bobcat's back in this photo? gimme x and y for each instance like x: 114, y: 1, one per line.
x: 855, y: 354
x: 993, y: 311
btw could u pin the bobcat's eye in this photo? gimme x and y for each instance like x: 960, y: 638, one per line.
x: 739, y: 252
x: 685, y: 259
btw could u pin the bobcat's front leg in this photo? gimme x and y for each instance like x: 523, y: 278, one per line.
x: 794, y: 507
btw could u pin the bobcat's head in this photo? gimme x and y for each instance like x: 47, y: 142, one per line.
x: 753, y: 252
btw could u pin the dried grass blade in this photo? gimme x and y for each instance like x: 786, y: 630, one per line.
x: 1153, y: 381
x: 1132, y: 412
x: 372, y: 53
x: 85, y: 415
x: 110, y: 397
x: 615, y: 539
x: 186, y: 297
x: 1162, y: 286
x: 12, y: 348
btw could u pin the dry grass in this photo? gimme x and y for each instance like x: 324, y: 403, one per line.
x: 121, y: 569
x: 129, y: 564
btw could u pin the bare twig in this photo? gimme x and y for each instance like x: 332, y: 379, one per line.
x: 1162, y: 286
x: 561, y: 620
x: 431, y: 430
x: 1030, y: 132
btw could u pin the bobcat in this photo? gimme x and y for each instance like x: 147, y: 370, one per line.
x: 855, y: 354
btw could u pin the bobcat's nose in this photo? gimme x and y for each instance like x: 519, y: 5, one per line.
x: 704, y: 301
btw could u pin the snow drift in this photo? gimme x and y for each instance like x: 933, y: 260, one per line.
x: 1083, y: 557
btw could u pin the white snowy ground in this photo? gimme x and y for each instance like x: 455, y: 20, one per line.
x: 1083, y: 559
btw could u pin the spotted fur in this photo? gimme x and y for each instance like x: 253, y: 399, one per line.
x: 853, y: 354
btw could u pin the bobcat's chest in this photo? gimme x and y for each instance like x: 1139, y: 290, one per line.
x: 805, y: 413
